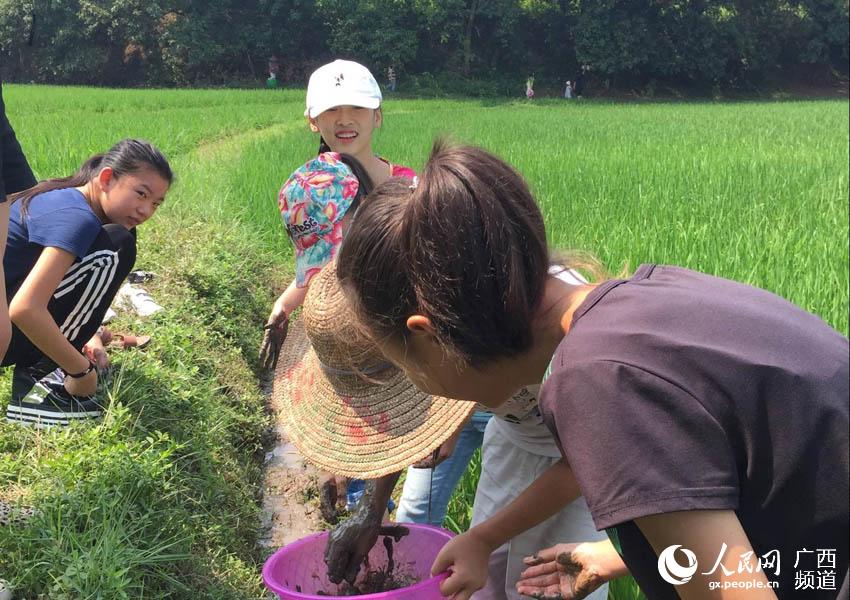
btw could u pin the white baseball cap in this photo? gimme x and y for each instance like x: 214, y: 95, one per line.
x: 341, y: 83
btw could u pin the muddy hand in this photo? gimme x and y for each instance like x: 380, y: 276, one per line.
x: 273, y: 338
x: 394, y: 531
x: 350, y: 541
x: 330, y: 493
x: 569, y: 571
x: 96, y: 352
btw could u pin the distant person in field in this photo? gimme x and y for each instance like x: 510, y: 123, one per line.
x: 529, y: 88
x: 579, y: 81
x: 274, y: 70
x: 391, y: 78
x: 71, y: 243
x: 691, y: 411
x: 568, y: 90
x: 15, y: 175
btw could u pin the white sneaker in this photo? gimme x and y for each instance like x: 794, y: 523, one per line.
x: 5, y: 590
x: 134, y: 298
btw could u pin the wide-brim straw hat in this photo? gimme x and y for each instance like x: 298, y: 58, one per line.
x: 346, y: 409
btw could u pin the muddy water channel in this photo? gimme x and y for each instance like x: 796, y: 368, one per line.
x: 290, y: 495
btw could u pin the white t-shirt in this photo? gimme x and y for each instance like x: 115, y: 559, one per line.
x: 519, y: 418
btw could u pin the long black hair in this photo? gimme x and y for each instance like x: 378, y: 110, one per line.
x: 366, y: 186
x: 127, y: 156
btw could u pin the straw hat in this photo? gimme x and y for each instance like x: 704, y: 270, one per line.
x: 345, y: 408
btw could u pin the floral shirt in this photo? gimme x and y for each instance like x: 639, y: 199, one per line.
x: 313, y: 202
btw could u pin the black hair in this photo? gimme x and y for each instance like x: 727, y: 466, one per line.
x: 127, y: 156
x: 466, y: 247
x: 359, y: 171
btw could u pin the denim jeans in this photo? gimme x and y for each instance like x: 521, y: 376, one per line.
x: 421, y: 484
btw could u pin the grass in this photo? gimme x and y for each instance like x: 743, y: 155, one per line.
x: 161, y: 499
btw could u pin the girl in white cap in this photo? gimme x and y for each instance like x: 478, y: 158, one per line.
x: 344, y: 108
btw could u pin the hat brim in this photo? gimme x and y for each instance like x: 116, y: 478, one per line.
x: 343, y: 100
x: 355, y: 427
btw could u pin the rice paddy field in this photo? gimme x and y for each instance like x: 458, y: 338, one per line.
x: 753, y: 191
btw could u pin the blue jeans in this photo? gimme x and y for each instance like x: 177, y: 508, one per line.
x: 420, y: 484
x: 354, y: 492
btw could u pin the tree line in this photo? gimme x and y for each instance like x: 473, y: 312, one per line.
x: 726, y: 43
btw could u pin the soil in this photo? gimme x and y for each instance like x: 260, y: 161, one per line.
x: 290, y: 492
x: 373, y: 581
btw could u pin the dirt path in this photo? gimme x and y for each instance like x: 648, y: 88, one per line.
x: 290, y: 492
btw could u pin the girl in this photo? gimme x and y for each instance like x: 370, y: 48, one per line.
x: 517, y: 449
x: 71, y: 243
x: 693, y: 412
x: 344, y: 108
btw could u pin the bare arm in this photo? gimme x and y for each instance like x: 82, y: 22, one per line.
x: 351, y: 540
x: 292, y: 297
x: 383, y: 489
x: 468, y: 553
x: 704, y: 532
x: 549, y: 493
x: 28, y: 310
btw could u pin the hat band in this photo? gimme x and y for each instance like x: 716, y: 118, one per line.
x: 368, y: 371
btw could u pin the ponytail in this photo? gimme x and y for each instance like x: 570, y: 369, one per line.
x: 127, y: 156
x: 470, y: 221
x: 83, y: 175
x: 365, y: 182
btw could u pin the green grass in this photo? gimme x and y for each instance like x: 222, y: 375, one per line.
x: 161, y: 499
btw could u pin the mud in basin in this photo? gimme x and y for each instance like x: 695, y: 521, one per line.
x: 394, y: 570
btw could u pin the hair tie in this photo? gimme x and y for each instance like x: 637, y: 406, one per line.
x: 415, y: 183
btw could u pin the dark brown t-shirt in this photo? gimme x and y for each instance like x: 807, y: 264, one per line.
x: 675, y: 390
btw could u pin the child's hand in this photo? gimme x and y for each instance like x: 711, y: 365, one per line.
x: 350, y: 541
x: 96, y: 352
x: 331, y: 492
x: 465, y: 557
x: 273, y: 338
x: 570, y: 571
x: 275, y: 333
x: 278, y: 316
x: 82, y: 386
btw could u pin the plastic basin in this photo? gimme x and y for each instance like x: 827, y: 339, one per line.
x: 301, y: 566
